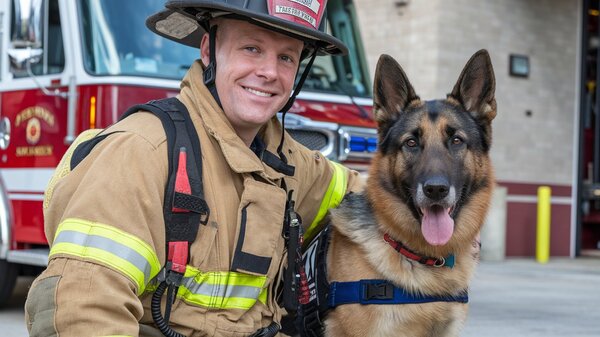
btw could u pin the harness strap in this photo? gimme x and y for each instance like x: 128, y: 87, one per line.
x: 184, y: 207
x: 382, y: 292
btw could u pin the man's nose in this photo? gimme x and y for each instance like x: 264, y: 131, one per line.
x: 267, y: 67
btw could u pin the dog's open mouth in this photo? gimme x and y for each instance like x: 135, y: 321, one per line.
x: 437, y: 224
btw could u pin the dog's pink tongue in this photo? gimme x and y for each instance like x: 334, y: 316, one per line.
x: 437, y: 226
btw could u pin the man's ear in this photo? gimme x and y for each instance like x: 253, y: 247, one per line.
x: 205, y: 49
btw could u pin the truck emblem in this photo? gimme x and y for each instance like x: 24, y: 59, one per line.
x: 33, y: 131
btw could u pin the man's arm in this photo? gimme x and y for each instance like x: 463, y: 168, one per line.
x: 105, y: 223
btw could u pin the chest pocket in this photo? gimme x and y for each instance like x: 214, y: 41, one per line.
x: 260, y: 221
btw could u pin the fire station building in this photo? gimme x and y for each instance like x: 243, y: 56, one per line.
x: 547, y: 132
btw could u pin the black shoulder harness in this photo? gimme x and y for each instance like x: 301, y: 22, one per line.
x: 184, y: 206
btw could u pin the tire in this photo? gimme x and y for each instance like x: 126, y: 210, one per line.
x: 8, y: 278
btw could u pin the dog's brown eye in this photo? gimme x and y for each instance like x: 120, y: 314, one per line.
x: 457, y: 141
x: 410, y: 142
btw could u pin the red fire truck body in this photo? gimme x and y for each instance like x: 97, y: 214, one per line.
x: 67, y: 66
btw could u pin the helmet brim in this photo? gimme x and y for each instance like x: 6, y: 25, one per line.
x: 180, y: 22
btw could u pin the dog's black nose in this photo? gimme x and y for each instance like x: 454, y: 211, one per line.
x: 436, y: 188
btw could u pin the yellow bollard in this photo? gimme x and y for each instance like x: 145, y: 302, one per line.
x: 542, y: 251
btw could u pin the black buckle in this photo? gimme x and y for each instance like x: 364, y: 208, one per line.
x: 192, y: 203
x: 209, y: 74
x: 378, y: 291
x: 312, y: 324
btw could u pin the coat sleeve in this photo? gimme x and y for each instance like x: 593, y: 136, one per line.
x: 325, y: 183
x: 106, y: 229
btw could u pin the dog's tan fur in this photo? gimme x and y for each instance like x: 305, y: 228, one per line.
x: 358, y: 251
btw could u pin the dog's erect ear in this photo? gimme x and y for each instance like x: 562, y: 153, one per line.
x: 475, y: 87
x: 391, y: 90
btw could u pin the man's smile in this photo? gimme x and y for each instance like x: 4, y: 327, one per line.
x: 258, y: 92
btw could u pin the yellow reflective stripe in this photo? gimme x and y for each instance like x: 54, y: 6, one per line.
x: 109, y: 245
x: 222, y: 290
x: 64, y: 166
x: 332, y: 198
x: 103, y: 256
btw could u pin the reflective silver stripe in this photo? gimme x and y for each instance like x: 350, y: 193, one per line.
x: 110, y: 246
x: 221, y: 290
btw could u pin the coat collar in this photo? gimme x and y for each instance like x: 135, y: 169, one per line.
x: 204, y: 109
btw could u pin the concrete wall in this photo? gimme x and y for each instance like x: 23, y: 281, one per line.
x: 433, y: 39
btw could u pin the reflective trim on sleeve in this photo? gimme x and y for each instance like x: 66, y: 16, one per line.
x: 222, y: 290
x: 332, y: 198
x: 110, y: 246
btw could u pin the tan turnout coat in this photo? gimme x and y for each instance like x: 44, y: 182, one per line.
x: 119, y: 189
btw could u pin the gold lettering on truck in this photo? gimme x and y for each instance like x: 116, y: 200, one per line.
x: 34, y: 151
x: 35, y: 111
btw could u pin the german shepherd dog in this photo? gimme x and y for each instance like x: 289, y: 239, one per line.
x: 426, y: 197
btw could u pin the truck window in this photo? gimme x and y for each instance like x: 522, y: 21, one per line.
x: 52, y: 60
x: 117, y: 42
x: 347, y: 74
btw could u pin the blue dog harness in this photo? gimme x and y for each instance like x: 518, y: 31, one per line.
x: 385, y: 292
x: 381, y: 292
x: 324, y: 296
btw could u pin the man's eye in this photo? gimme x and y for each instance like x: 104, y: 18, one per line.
x: 252, y: 49
x: 288, y: 59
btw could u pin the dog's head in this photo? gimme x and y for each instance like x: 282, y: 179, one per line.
x: 434, y: 155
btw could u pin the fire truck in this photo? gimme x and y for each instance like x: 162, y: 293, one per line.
x: 67, y: 66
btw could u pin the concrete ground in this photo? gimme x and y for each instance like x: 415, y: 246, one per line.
x: 523, y: 298
x: 515, y: 297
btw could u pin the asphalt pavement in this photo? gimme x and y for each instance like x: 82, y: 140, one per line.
x: 515, y: 297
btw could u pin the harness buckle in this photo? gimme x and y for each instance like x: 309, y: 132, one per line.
x: 178, y: 256
x: 378, y: 291
x: 439, y: 262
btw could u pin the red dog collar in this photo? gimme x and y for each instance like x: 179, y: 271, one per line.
x: 429, y: 261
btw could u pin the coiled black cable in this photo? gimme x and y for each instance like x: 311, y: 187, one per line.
x: 163, y: 325
x: 157, y: 316
x: 269, y: 331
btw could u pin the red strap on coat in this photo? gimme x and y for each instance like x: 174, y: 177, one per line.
x: 182, y: 181
x: 178, y: 255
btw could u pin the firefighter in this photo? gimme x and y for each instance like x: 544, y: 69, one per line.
x: 104, y: 219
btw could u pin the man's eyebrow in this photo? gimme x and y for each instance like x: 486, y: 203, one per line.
x: 258, y: 39
x: 293, y: 50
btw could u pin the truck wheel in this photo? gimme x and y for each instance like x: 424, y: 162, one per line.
x: 9, y: 272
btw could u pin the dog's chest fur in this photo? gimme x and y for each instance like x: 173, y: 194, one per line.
x: 359, y: 252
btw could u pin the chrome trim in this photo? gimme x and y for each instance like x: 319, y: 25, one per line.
x: 4, y: 133
x: 333, y: 97
x: 30, y: 257
x: 71, y: 111
x: 344, y: 148
x: 5, y: 221
x: 297, y: 122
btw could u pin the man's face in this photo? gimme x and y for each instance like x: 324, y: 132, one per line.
x: 256, y: 69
